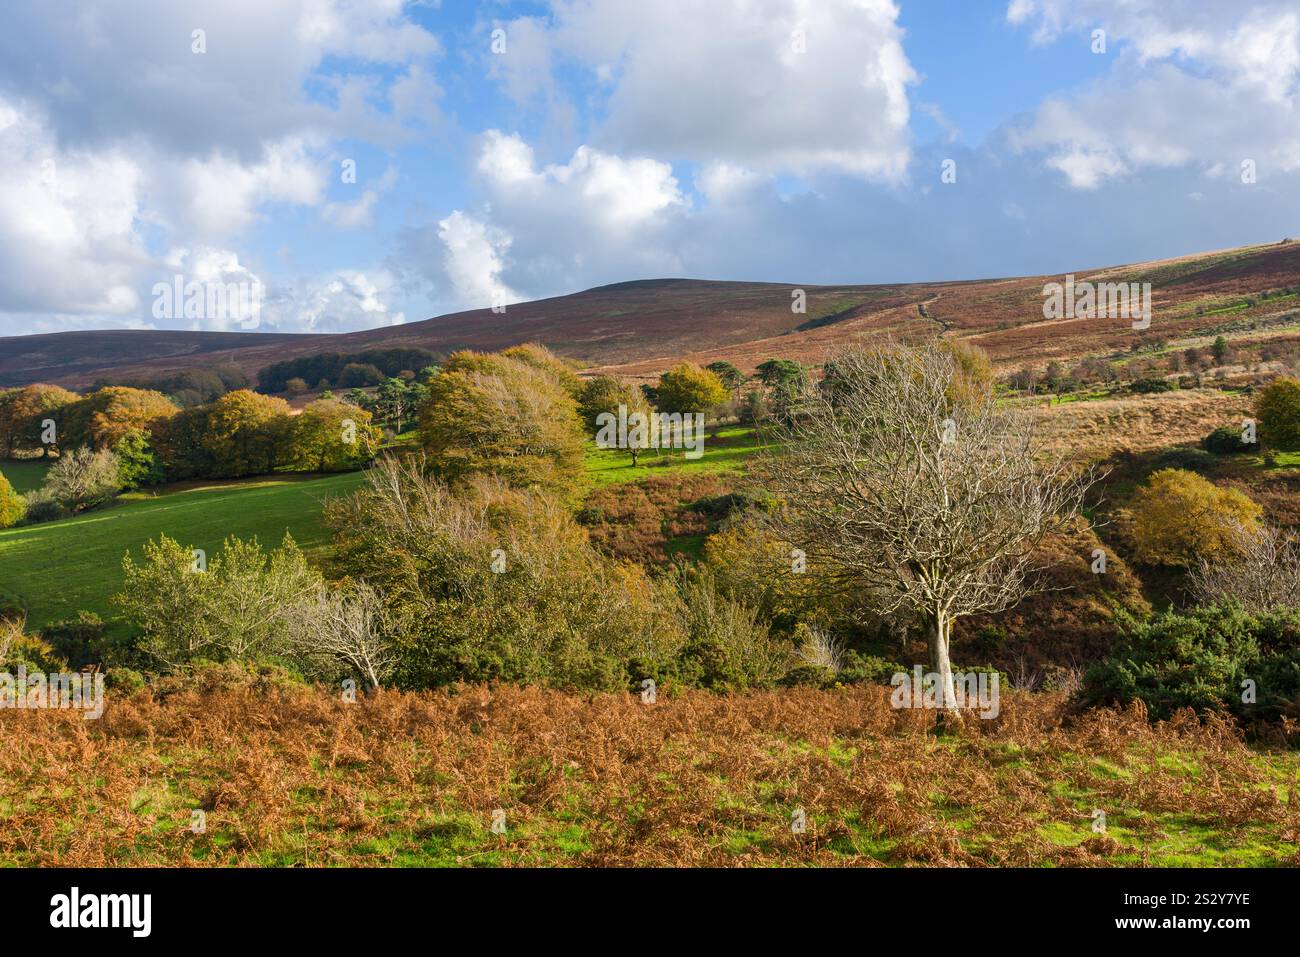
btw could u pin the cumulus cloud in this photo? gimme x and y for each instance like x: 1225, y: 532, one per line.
x: 67, y: 223
x: 1198, y: 85
x: 775, y: 85
x: 474, y: 260
x: 542, y: 227
x: 137, y: 126
x: 345, y: 301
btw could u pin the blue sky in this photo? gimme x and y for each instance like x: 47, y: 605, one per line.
x: 599, y: 140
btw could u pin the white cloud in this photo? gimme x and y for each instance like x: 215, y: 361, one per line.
x: 775, y: 85
x: 1256, y: 45
x: 67, y: 236
x: 1201, y: 86
x: 360, y: 213
x: 474, y: 260
x: 345, y: 301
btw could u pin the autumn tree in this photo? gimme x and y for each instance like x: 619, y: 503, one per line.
x: 1180, y: 517
x: 494, y: 414
x: 687, y: 389
x: 246, y: 433
x: 606, y: 395
x: 101, y: 418
x: 932, y: 506
x: 544, y: 360
x: 23, y: 413
x: 332, y: 436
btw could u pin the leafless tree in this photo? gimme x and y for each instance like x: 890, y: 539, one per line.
x: 1261, y: 573
x: 900, y: 474
x: 331, y: 628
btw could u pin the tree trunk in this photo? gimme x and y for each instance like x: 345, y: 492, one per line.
x: 945, y: 692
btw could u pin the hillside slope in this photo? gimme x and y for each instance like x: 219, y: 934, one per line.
x: 637, y: 328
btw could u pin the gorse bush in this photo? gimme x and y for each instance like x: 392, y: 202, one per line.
x: 1209, y: 658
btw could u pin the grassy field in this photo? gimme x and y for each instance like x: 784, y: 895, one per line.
x: 290, y: 776
x: 725, y: 449
x: 56, y: 569
x: 25, y: 476
x: 60, y: 568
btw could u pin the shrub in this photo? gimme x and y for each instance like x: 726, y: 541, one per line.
x: 80, y: 641
x: 231, y: 612
x: 12, y: 505
x: 83, y: 479
x: 1225, y: 440
x: 42, y: 508
x: 1151, y: 384
x: 727, y: 645
x: 481, y: 581
x: 1201, y: 659
x: 1178, y: 517
x: 1197, y: 660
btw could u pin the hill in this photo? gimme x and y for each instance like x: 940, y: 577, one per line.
x: 635, y: 329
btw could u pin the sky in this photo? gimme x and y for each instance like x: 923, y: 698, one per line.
x: 364, y: 163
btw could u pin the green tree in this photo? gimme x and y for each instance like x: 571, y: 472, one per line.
x: 687, y: 389
x: 1277, y: 407
x: 233, y: 610
x: 1220, y: 350
x: 138, y: 466
x: 332, y: 436
x: 730, y: 377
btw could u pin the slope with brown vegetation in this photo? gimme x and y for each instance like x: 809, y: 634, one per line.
x: 293, y: 776
x: 637, y: 329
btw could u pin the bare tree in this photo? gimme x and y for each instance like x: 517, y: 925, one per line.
x: 1261, y: 573
x: 901, y: 475
x: 331, y: 628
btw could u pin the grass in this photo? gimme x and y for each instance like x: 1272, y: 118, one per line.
x: 726, y: 449
x: 25, y: 476
x: 56, y: 569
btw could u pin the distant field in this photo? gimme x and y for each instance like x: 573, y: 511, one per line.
x: 60, y: 568
x: 25, y: 476
x: 725, y: 450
